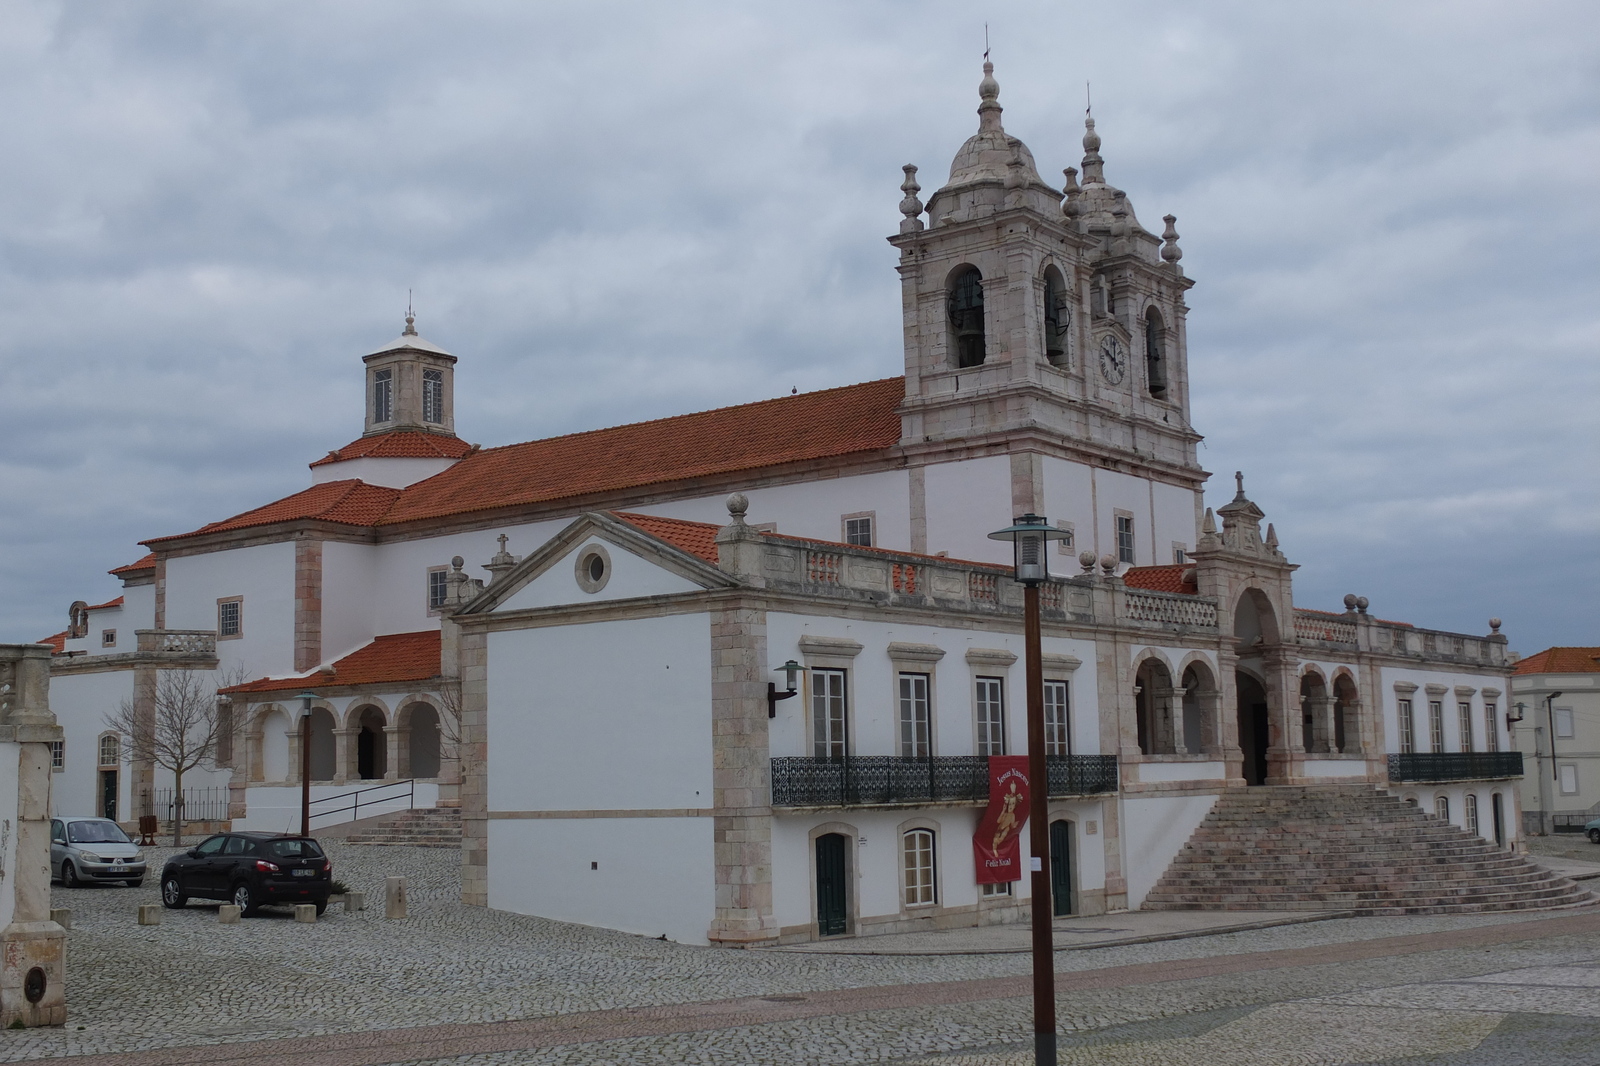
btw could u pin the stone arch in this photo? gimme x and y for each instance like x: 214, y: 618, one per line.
x: 1316, y: 711
x: 324, y: 748
x: 369, y: 747
x: 965, y: 316
x: 1255, y: 623
x: 1155, y: 704
x: 1254, y: 724
x: 1346, y: 712
x: 419, y: 744
x: 1202, y: 702
x: 1057, y: 319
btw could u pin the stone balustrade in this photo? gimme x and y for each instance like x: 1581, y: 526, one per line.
x: 1323, y: 628
x: 178, y: 641
x: 1144, y: 606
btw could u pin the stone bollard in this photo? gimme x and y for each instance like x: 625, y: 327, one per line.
x: 394, y: 897
x: 228, y: 914
x: 62, y: 916
x: 355, y: 901
x: 305, y: 912
x: 149, y: 914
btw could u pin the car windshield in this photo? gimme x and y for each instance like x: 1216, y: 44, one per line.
x: 294, y: 849
x: 98, y: 831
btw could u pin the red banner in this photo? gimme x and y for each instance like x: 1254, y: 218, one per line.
x: 995, y: 849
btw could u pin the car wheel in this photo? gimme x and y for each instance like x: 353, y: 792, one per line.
x: 69, y: 876
x: 322, y: 905
x: 244, y: 898
x: 1594, y: 836
x: 172, y: 894
x: 134, y: 884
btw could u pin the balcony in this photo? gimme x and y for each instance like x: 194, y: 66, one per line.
x: 1455, y: 766
x: 891, y: 780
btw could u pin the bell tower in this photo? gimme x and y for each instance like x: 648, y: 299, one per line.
x: 410, y: 386
x: 1040, y: 321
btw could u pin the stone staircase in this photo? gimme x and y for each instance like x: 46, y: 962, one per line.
x: 425, y: 827
x: 1347, y: 848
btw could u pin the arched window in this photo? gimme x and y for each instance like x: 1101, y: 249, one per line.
x: 966, y: 317
x: 1155, y: 354
x: 1057, y: 319
x: 1441, y: 807
x: 919, y: 869
x: 110, y: 749
x: 1472, y: 814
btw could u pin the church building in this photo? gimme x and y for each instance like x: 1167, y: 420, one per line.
x: 735, y: 676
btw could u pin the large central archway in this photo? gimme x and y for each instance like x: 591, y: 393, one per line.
x: 1254, y: 733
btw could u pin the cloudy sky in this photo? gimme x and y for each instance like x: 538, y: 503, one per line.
x: 610, y: 212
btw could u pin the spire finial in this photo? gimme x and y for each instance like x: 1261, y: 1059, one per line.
x: 1238, y: 480
x: 1170, y: 252
x: 411, y: 318
x: 988, y: 92
x: 1070, y: 206
x: 1092, y: 163
x: 911, y: 207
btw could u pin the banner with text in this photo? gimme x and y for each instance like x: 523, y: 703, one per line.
x: 996, y: 852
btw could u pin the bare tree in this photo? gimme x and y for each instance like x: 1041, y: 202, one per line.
x: 178, y: 731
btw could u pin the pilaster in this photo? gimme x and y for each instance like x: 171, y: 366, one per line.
x: 307, y: 604
x: 473, y: 751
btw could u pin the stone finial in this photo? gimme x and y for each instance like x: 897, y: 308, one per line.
x: 1494, y: 625
x: 1108, y: 565
x: 911, y: 207
x: 1209, y: 523
x: 1086, y: 559
x: 1238, y: 480
x: 1071, y: 194
x: 1362, y: 603
x: 1093, y: 165
x: 501, y: 562
x: 1349, y: 601
x: 738, y: 506
x: 1272, y: 537
x: 1170, y: 252
x: 989, y: 91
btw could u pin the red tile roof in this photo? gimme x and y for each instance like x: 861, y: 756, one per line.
x: 850, y: 420
x: 147, y: 563
x: 350, y: 502
x: 391, y: 659
x: 57, y: 642
x: 696, y: 538
x: 1168, y: 578
x: 109, y: 603
x: 400, y: 445
x: 1561, y: 661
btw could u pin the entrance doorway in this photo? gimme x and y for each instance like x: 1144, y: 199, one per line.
x: 1061, y: 868
x: 1253, y: 733
x: 833, y: 914
x: 108, y: 794
x: 372, y: 755
x: 1499, y: 821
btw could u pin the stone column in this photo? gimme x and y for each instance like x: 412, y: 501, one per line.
x: 394, y: 744
x: 1321, y: 708
x: 344, y: 756
x: 1168, y: 703
x: 1286, y: 752
x: 142, y: 772
x: 473, y: 751
x: 1228, y: 716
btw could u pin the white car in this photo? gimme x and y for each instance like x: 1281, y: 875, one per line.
x: 93, y: 849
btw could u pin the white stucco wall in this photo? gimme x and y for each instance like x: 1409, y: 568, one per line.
x: 276, y: 808
x: 967, y: 501
x: 813, y: 509
x: 264, y: 575
x: 1450, y: 679
x: 349, y: 581
x: 80, y: 703
x: 395, y: 473
x: 630, y: 577
x: 399, y: 593
x: 1154, y: 830
x: 1090, y: 497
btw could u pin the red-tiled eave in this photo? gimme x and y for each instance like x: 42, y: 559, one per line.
x: 407, y: 444
x: 147, y: 563
x: 57, y: 642
x: 790, y: 429
x: 351, y: 503
x: 392, y: 659
x: 696, y: 538
x: 1168, y: 578
x: 109, y: 603
x: 1561, y: 661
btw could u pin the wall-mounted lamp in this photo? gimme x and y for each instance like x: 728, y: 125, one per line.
x: 790, y: 669
x: 1522, y: 712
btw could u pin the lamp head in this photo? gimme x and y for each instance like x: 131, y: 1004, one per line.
x: 305, y: 699
x: 1029, y: 535
x: 790, y: 669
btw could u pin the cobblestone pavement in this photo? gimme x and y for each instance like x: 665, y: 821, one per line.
x: 357, y: 989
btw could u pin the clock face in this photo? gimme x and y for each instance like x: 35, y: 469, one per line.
x: 1113, y: 360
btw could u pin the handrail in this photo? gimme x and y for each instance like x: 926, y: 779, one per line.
x: 409, y: 784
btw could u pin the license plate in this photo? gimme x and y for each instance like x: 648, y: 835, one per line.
x: 304, y: 873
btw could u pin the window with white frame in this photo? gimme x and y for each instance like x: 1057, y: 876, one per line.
x: 438, y: 587
x: 230, y: 617
x: 1491, y: 727
x: 829, y: 721
x: 991, y: 708
x: 1180, y: 554
x: 1441, y: 808
x: 1065, y: 545
x: 999, y: 888
x: 1408, y: 727
x: 1569, y: 778
x: 918, y: 864
x: 858, y: 529
x: 1436, y: 725
x: 1125, y: 538
x: 58, y: 754
x: 110, y: 749
x: 433, y: 396
x: 1472, y: 814
x: 382, y: 395
x: 1563, y: 721
x: 1057, y: 721
x: 915, y: 740
x: 1465, y: 709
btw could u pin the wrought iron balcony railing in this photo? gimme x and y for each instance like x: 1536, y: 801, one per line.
x: 1455, y: 766
x: 881, y: 780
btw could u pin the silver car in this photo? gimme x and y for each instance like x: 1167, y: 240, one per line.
x: 93, y: 849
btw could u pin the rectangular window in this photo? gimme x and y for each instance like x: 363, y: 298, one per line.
x: 230, y: 617
x: 915, y: 742
x: 1563, y: 721
x: 433, y: 396
x: 382, y: 395
x: 1057, y: 722
x: 1408, y: 728
x: 1066, y: 542
x: 918, y: 866
x: 1491, y: 728
x: 1569, y: 779
x: 438, y: 587
x: 108, y: 638
x: 1436, y: 725
x: 858, y: 530
x: 1003, y: 888
x: 991, y: 716
x: 1180, y: 554
x: 1124, y: 538
x: 828, y: 714
x: 1465, y: 709
x: 58, y: 754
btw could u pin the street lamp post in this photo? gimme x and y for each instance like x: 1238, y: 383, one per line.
x: 1030, y: 535
x: 305, y: 762
x: 1550, y: 715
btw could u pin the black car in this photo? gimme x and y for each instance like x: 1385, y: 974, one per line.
x: 250, y: 870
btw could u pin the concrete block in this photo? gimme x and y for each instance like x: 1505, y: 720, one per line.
x: 394, y: 897
x: 228, y: 914
x: 149, y: 914
x: 305, y: 912
x: 355, y: 901
x: 62, y: 916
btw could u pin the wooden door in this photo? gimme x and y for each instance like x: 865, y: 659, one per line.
x: 833, y: 917
x: 1061, y: 867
